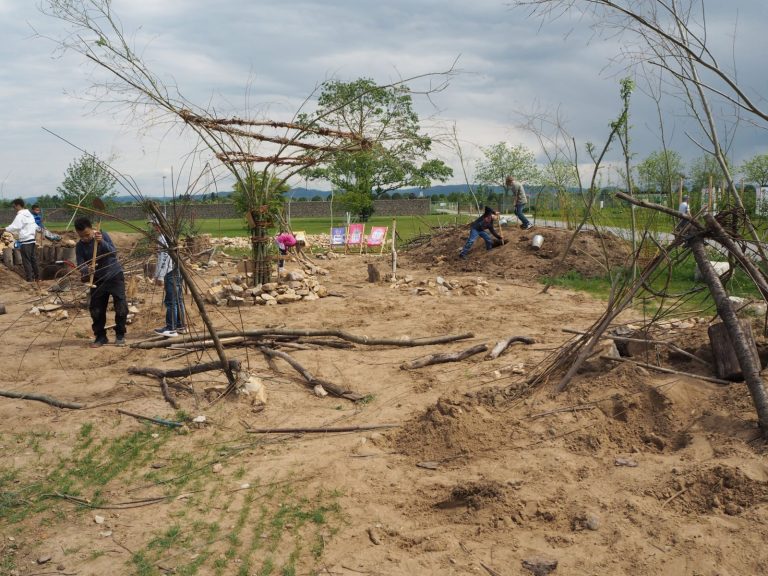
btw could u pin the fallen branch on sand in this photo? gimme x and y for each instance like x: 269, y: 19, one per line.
x: 41, y: 398
x: 443, y: 357
x: 328, y: 430
x: 340, y: 334
x: 502, y: 345
x: 309, y: 377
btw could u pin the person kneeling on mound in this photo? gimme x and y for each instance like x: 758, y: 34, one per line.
x: 478, y: 228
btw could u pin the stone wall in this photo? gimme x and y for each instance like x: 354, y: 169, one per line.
x: 418, y: 206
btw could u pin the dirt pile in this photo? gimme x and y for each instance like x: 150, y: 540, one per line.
x: 587, y: 257
x: 720, y: 488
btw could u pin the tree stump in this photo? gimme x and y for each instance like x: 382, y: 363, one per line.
x: 374, y: 274
x: 726, y: 362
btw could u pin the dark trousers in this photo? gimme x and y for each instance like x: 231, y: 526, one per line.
x: 114, y: 287
x: 473, y: 235
x: 29, y: 260
x: 174, y: 300
x: 520, y: 216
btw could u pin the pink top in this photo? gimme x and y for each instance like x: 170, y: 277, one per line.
x: 285, y: 239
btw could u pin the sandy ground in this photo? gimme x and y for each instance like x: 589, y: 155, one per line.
x: 651, y: 474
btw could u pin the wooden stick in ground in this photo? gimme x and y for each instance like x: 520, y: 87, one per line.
x: 340, y: 334
x: 309, y: 377
x: 325, y: 430
x: 502, y: 345
x: 161, y: 421
x: 444, y: 357
x: 749, y: 368
x: 41, y: 398
x: 666, y: 370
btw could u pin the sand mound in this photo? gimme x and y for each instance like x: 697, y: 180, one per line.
x: 587, y: 257
x: 712, y: 490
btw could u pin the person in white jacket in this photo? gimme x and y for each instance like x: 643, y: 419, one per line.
x: 25, y: 227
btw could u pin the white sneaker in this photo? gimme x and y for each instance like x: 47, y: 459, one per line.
x: 169, y: 333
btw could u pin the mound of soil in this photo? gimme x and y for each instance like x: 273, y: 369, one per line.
x: 590, y: 256
x: 709, y: 490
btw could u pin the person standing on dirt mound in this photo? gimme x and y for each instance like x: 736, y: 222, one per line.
x: 478, y: 228
x: 25, y: 227
x: 108, y: 279
x: 169, y: 277
x: 520, y: 200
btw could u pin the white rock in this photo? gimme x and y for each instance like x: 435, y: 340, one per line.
x: 199, y: 419
x: 217, y: 468
x: 311, y: 296
x: 98, y: 519
x: 320, y: 391
x: 296, y: 276
x: 254, y: 386
x: 440, y: 280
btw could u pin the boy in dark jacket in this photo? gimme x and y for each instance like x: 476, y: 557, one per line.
x: 108, y: 280
x: 478, y: 228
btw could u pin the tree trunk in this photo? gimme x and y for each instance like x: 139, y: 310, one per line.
x: 749, y: 367
x: 726, y: 361
x: 262, y: 268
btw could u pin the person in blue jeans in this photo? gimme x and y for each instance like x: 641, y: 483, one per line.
x: 478, y: 228
x: 167, y: 274
x: 520, y: 199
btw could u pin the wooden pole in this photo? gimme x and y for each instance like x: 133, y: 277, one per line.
x: 709, y: 194
x: 394, y: 249
x: 680, y: 193
x: 749, y: 368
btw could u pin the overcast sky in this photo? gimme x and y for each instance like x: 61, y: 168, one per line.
x: 268, y: 56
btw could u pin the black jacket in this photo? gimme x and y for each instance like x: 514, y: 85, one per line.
x: 485, y: 222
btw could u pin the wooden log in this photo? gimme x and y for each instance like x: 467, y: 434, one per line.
x: 374, y: 274
x: 726, y: 362
x: 444, y: 357
x: 234, y: 366
x: 167, y: 394
x: 41, y: 398
x: 502, y: 345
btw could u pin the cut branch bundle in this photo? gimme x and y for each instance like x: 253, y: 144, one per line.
x: 572, y: 356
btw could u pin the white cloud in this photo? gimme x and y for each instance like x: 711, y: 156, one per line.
x: 267, y: 57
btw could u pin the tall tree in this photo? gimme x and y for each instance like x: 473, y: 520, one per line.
x: 397, y: 150
x: 502, y: 160
x: 660, y: 171
x: 755, y: 170
x: 85, y: 179
x: 249, y: 187
x: 704, y: 170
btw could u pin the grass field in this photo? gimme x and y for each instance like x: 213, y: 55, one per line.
x: 407, y: 226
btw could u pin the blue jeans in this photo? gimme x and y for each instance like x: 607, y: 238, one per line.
x: 174, y: 300
x: 520, y: 216
x: 473, y: 234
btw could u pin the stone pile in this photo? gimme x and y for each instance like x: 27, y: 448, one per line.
x: 440, y: 286
x: 290, y: 287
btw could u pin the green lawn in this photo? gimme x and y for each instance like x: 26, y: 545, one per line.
x: 407, y: 226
